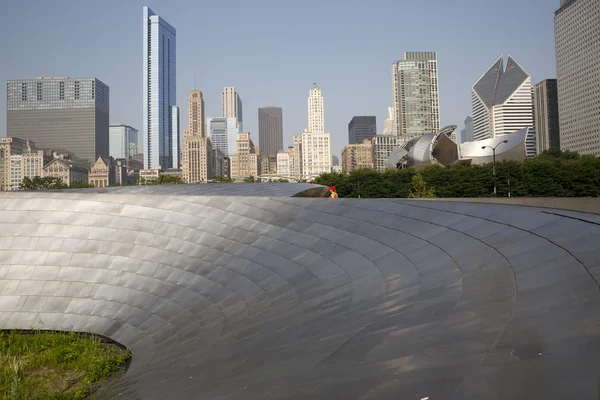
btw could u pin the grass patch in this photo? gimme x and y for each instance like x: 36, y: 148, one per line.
x: 56, y: 365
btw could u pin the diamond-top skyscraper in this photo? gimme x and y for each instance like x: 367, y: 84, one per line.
x: 316, y: 118
x: 159, y: 90
x: 502, y: 102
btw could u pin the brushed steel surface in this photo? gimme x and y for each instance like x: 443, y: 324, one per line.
x: 243, y: 292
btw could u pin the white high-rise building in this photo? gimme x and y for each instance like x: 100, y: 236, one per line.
x: 223, y: 134
x: 316, y: 120
x: 159, y: 90
x: 231, y: 104
x: 416, y: 95
x: 388, y: 124
x: 316, y: 154
x: 576, y: 33
x: 502, y: 102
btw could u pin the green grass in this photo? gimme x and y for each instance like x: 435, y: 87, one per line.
x: 55, y: 365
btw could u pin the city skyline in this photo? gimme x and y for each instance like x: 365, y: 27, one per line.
x: 261, y: 84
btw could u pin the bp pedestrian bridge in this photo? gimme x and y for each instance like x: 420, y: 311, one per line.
x: 260, y: 291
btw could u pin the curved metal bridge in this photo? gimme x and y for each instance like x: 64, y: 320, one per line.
x: 241, y: 291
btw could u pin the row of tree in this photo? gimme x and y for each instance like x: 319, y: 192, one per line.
x: 552, y: 174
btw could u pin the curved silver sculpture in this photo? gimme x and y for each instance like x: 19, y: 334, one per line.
x: 514, y: 149
x: 236, y: 295
x: 439, y: 149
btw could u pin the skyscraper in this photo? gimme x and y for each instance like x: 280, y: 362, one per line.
x: 232, y: 106
x: 388, y: 124
x: 468, y: 137
x: 576, y: 32
x: 175, y: 137
x: 159, y: 90
x: 123, y: 141
x: 64, y: 114
x: 416, y: 95
x: 224, y: 134
x: 315, y: 153
x: 545, y: 106
x: 270, y: 130
x: 361, y: 128
x: 196, y: 158
x: 316, y: 119
x: 502, y: 102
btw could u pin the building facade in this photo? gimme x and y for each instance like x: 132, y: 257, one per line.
x: 197, y: 148
x: 245, y: 162
x: 357, y: 156
x: 231, y: 104
x: 361, y: 128
x: 159, y: 92
x: 576, y: 32
x: 67, y: 171
x: 176, y: 142
x: 69, y: 115
x: 416, y: 95
x: 316, y: 154
x: 545, y: 111
x: 123, y: 141
x: 19, y: 159
x: 383, y: 145
x: 283, y: 164
x: 502, y: 102
x: 223, y: 134
x: 316, y: 116
x: 219, y: 168
x: 270, y: 130
x: 100, y: 173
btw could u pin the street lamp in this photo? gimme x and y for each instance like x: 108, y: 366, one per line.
x: 494, y: 160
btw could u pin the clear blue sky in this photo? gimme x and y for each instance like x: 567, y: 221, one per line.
x: 272, y: 51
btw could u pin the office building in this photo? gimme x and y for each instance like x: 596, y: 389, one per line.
x: 502, y: 102
x: 219, y: 165
x: 123, y: 141
x: 468, y: 136
x: 335, y: 161
x: 19, y: 159
x: 245, y: 162
x: 388, y: 124
x: 361, y: 128
x: 357, y: 156
x: 545, y: 111
x: 232, y: 106
x: 159, y: 93
x: 576, y: 33
x: 176, y: 142
x: 316, y: 118
x: 383, y: 145
x: 197, y: 148
x: 270, y: 130
x: 315, y: 153
x: 284, y: 159
x: 69, y: 115
x: 416, y: 95
x: 223, y: 134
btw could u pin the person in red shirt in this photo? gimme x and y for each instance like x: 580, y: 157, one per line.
x: 332, y: 192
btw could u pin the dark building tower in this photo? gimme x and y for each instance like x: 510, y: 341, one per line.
x: 64, y: 114
x: 361, y: 128
x: 270, y: 130
x: 545, y: 110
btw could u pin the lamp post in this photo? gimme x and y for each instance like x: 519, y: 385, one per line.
x: 494, y: 161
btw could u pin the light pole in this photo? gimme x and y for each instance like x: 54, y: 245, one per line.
x: 494, y: 161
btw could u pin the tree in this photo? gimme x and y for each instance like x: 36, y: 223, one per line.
x: 419, y: 188
x: 249, y: 179
x: 45, y: 183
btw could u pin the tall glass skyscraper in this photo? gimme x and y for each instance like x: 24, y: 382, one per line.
x: 223, y: 133
x: 416, y: 95
x: 159, y: 91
